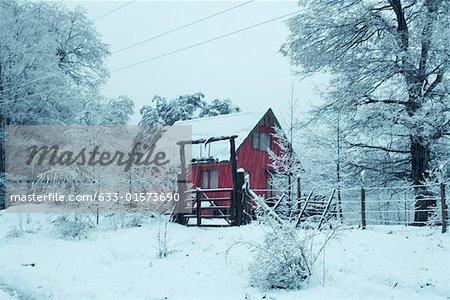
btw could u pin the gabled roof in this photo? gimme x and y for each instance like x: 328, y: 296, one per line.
x: 240, y: 124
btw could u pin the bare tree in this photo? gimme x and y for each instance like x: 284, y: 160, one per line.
x: 389, y: 61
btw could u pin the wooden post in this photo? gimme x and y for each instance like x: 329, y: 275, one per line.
x: 443, y: 208
x: 248, y: 207
x: 233, y: 160
x: 198, y: 198
x: 290, y: 206
x: 340, y: 215
x: 3, y: 200
x: 180, y: 205
x: 363, y: 208
x: 302, y: 211
x: 247, y: 218
x: 299, y: 194
x: 239, y: 199
x: 234, y: 213
x: 327, y: 207
x: 363, y: 201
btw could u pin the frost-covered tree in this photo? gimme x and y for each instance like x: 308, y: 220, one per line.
x: 52, y: 60
x: 286, y: 164
x: 185, y: 107
x: 286, y: 168
x: 218, y: 107
x: 389, y: 61
x: 103, y: 111
x: 118, y: 110
x: 326, y: 156
x: 168, y: 112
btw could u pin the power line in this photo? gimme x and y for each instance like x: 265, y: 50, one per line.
x: 113, y: 10
x: 141, y: 42
x: 203, y: 42
x: 181, y: 27
x: 165, y: 54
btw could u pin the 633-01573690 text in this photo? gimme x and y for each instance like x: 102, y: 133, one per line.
x: 97, y: 196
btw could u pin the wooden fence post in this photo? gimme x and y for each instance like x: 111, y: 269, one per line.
x: 363, y: 202
x: 234, y: 196
x: 239, y: 199
x: 290, y: 201
x: 339, y: 203
x: 299, y: 193
x: 443, y: 208
x: 363, y: 208
x: 325, y: 211
x: 198, y: 199
x: 246, y: 200
x: 180, y: 205
x: 305, y: 204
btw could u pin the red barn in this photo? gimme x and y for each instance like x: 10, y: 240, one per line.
x: 211, y: 167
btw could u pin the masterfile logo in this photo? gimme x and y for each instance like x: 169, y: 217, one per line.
x: 85, y: 166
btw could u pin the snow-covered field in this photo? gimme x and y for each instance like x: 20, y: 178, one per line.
x: 383, y: 262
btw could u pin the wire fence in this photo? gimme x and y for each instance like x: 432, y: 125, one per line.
x: 365, y: 206
x: 391, y: 205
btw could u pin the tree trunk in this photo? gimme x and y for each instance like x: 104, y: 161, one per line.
x: 420, y: 158
x: 2, y: 165
x: 2, y: 152
x: 338, y: 165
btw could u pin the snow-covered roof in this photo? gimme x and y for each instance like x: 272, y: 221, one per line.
x: 240, y: 124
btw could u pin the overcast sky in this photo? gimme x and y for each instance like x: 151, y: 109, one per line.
x: 246, y: 67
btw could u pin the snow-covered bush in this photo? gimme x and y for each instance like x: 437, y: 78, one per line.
x: 135, y: 220
x: 161, y: 236
x: 281, y: 262
x: 434, y: 218
x: 286, y: 258
x: 72, y: 228
x: 14, y: 233
x: 437, y: 175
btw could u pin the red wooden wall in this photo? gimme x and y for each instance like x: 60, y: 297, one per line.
x: 255, y: 162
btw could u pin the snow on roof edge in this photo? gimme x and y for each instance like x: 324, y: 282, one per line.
x: 241, y: 124
x: 262, y: 112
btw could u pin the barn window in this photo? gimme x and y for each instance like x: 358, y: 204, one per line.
x: 210, y: 179
x: 261, y: 141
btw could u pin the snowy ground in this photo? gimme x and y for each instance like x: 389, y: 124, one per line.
x: 384, y: 262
